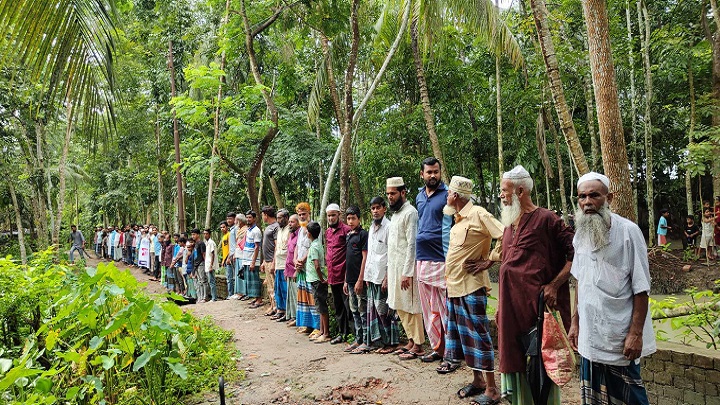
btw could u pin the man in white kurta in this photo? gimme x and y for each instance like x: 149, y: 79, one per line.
x: 612, y: 327
x: 403, y: 294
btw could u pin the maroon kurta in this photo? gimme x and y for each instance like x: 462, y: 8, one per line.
x: 335, y: 240
x: 531, y: 257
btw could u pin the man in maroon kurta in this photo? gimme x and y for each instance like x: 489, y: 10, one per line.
x: 335, y: 243
x: 537, y: 254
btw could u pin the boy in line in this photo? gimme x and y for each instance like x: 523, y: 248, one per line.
x: 354, y: 288
x: 317, y: 276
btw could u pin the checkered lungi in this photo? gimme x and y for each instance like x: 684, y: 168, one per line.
x: 253, y: 284
x: 382, y: 320
x: 602, y: 384
x: 467, y: 335
x: 307, y: 314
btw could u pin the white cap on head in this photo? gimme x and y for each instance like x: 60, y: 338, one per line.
x: 517, y: 172
x: 594, y: 176
x: 394, y: 182
x: 332, y: 207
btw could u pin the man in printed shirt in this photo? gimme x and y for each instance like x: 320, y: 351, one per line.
x: 336, y: 239
x: 612, y: 327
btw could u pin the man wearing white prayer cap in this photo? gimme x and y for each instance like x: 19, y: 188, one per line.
x: 403, y: 295
x: 537, y: 254
x: 336, y: 251
x: 612, y: 327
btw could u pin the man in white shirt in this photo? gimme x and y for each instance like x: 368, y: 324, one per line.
x: 383, y: 332
x: 211, y: 263
x: 612, y: 327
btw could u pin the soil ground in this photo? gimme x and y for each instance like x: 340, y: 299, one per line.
x: 284, y: 367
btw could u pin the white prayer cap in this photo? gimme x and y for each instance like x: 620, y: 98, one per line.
x: 594, y: 176
x: 395, y: 182
x: 461, y: 185
x: 332, y: 207
x: 517, y: 172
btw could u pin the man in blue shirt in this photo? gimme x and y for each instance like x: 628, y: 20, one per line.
x: 430, y: 257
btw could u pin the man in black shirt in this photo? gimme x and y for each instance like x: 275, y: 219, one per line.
x: 202, y: 287
x: 354, y: 287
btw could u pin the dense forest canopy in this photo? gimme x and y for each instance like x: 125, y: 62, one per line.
x: 111, y: 110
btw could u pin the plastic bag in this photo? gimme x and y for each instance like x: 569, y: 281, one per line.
x: 558, y: 356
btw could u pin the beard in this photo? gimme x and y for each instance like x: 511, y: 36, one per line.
x: 510, y: 213
x: 449, y: 210
x: 593, y: 230
x: 396, y: 207
x: 432, y: 184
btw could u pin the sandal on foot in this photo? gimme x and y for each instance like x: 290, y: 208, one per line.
x: 483, y: 399
x: 447, y: 367
x: 351, y: 347
x: 431, y: 357
x: 410, y: 355
x: 270, y: 313
x: 361, y: 349
x: 385, y: 350
x: 400, y: 350
x: 469, y: 391
x: 338, y: 339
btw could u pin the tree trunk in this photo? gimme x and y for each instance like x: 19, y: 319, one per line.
x: 590, y: 108
x: 425, y: 98
x: 176, y: 139
x: 633, y: 106
x: 276, y: 193
x: 649, y: 164
x: 272, y: 130
x: 498, y: 105
x: 691, y: 141
x: 551, y: 65
x: 714, y: 40
x: 62, y: 175
x: 550, y: 123
x: 160, y: 165
x: 612, y: 140
x: 18, y: 222
x: 346, y: 153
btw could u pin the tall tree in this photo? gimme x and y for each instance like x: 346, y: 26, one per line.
x: 180, y: 208
x: 633, y: 105
x: 612, y: 139
x: 551, y: 65
x: 644, y: 24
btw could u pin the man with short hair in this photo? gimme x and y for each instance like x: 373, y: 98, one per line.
x: 336, y: 239
x: 269, y: 218
x: 430, y: 255
x: 211, y: 263
x: 251, y: 260
x: 356, y: 255
x: 229, y: 258
x: 97, y: 240
x: 468, y: 258
x: 612, y: 327
x: 291, y: 271
x: 308, y: 319
x: 78, y: 243
x: 198, y: 260
x: 537, y: 253
x: 403, y: 295
x: 280, y: 256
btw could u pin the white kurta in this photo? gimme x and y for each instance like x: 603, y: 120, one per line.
x: 144, y: 253
x: 401, y: 260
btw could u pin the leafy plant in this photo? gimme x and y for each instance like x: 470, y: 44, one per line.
x: 103, y: 340
x: 697, y: 319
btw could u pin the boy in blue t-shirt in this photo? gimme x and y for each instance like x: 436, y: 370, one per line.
x: 663, y: 227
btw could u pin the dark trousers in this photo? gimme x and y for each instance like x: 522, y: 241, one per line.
x: 342, y: 309
x: 156, y: 269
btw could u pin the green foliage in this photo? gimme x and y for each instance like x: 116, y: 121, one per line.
x: 101, y: 339
x: 701, y: 322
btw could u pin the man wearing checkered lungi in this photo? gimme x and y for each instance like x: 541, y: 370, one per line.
x: 467, y: 335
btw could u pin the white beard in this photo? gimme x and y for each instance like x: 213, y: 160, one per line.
x: 449, y: 210
x: 510, y: 213
x: 593, y: 230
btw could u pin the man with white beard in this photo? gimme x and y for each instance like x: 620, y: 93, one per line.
x: 612, y: 327
x: 537, y: 254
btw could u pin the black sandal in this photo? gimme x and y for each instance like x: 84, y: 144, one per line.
x: 447, y: 367
x: 483, y: 399
x: 429, y: 358
x: 469, y: 391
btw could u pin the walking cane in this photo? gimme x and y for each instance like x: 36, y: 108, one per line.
x: 221, y: 387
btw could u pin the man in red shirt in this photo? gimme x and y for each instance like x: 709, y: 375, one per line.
x: 335, y: 242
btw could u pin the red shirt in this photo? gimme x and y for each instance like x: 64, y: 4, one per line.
x: 335, y: 242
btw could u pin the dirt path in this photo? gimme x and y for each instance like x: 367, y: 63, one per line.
x: 282, y: 366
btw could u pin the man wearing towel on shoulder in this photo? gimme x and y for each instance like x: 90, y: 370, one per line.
x: 612, y: 327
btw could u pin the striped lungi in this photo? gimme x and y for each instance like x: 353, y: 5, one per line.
x: 292, y: 293
x: 432, y: 291
x: 601, y: 384
x: 253, y: 284
x: 467, y: 335
x: 382, y: 320
x: 307, y: 314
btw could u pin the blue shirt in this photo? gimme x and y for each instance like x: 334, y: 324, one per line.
x: 157, y: 246
x: 661, y: 230
x: 429, y: 242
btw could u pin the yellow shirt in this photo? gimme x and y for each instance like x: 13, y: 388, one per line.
x: 225, y: 245
x: 470, y: 239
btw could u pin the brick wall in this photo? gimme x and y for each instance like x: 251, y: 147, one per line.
x: 682, y: 375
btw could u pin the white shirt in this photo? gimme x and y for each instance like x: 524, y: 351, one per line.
x: 281, y: 247
x: 253, y: 240
x: 608, y: 279
x: 401, y: 260
x: 211, y: 256
x: 303, y: 243
x: 376, y: 262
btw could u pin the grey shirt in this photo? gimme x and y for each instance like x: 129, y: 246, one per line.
x: 77, y: 238
x: 268, y: 243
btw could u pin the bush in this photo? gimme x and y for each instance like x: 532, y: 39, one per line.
x: 95, y: 337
